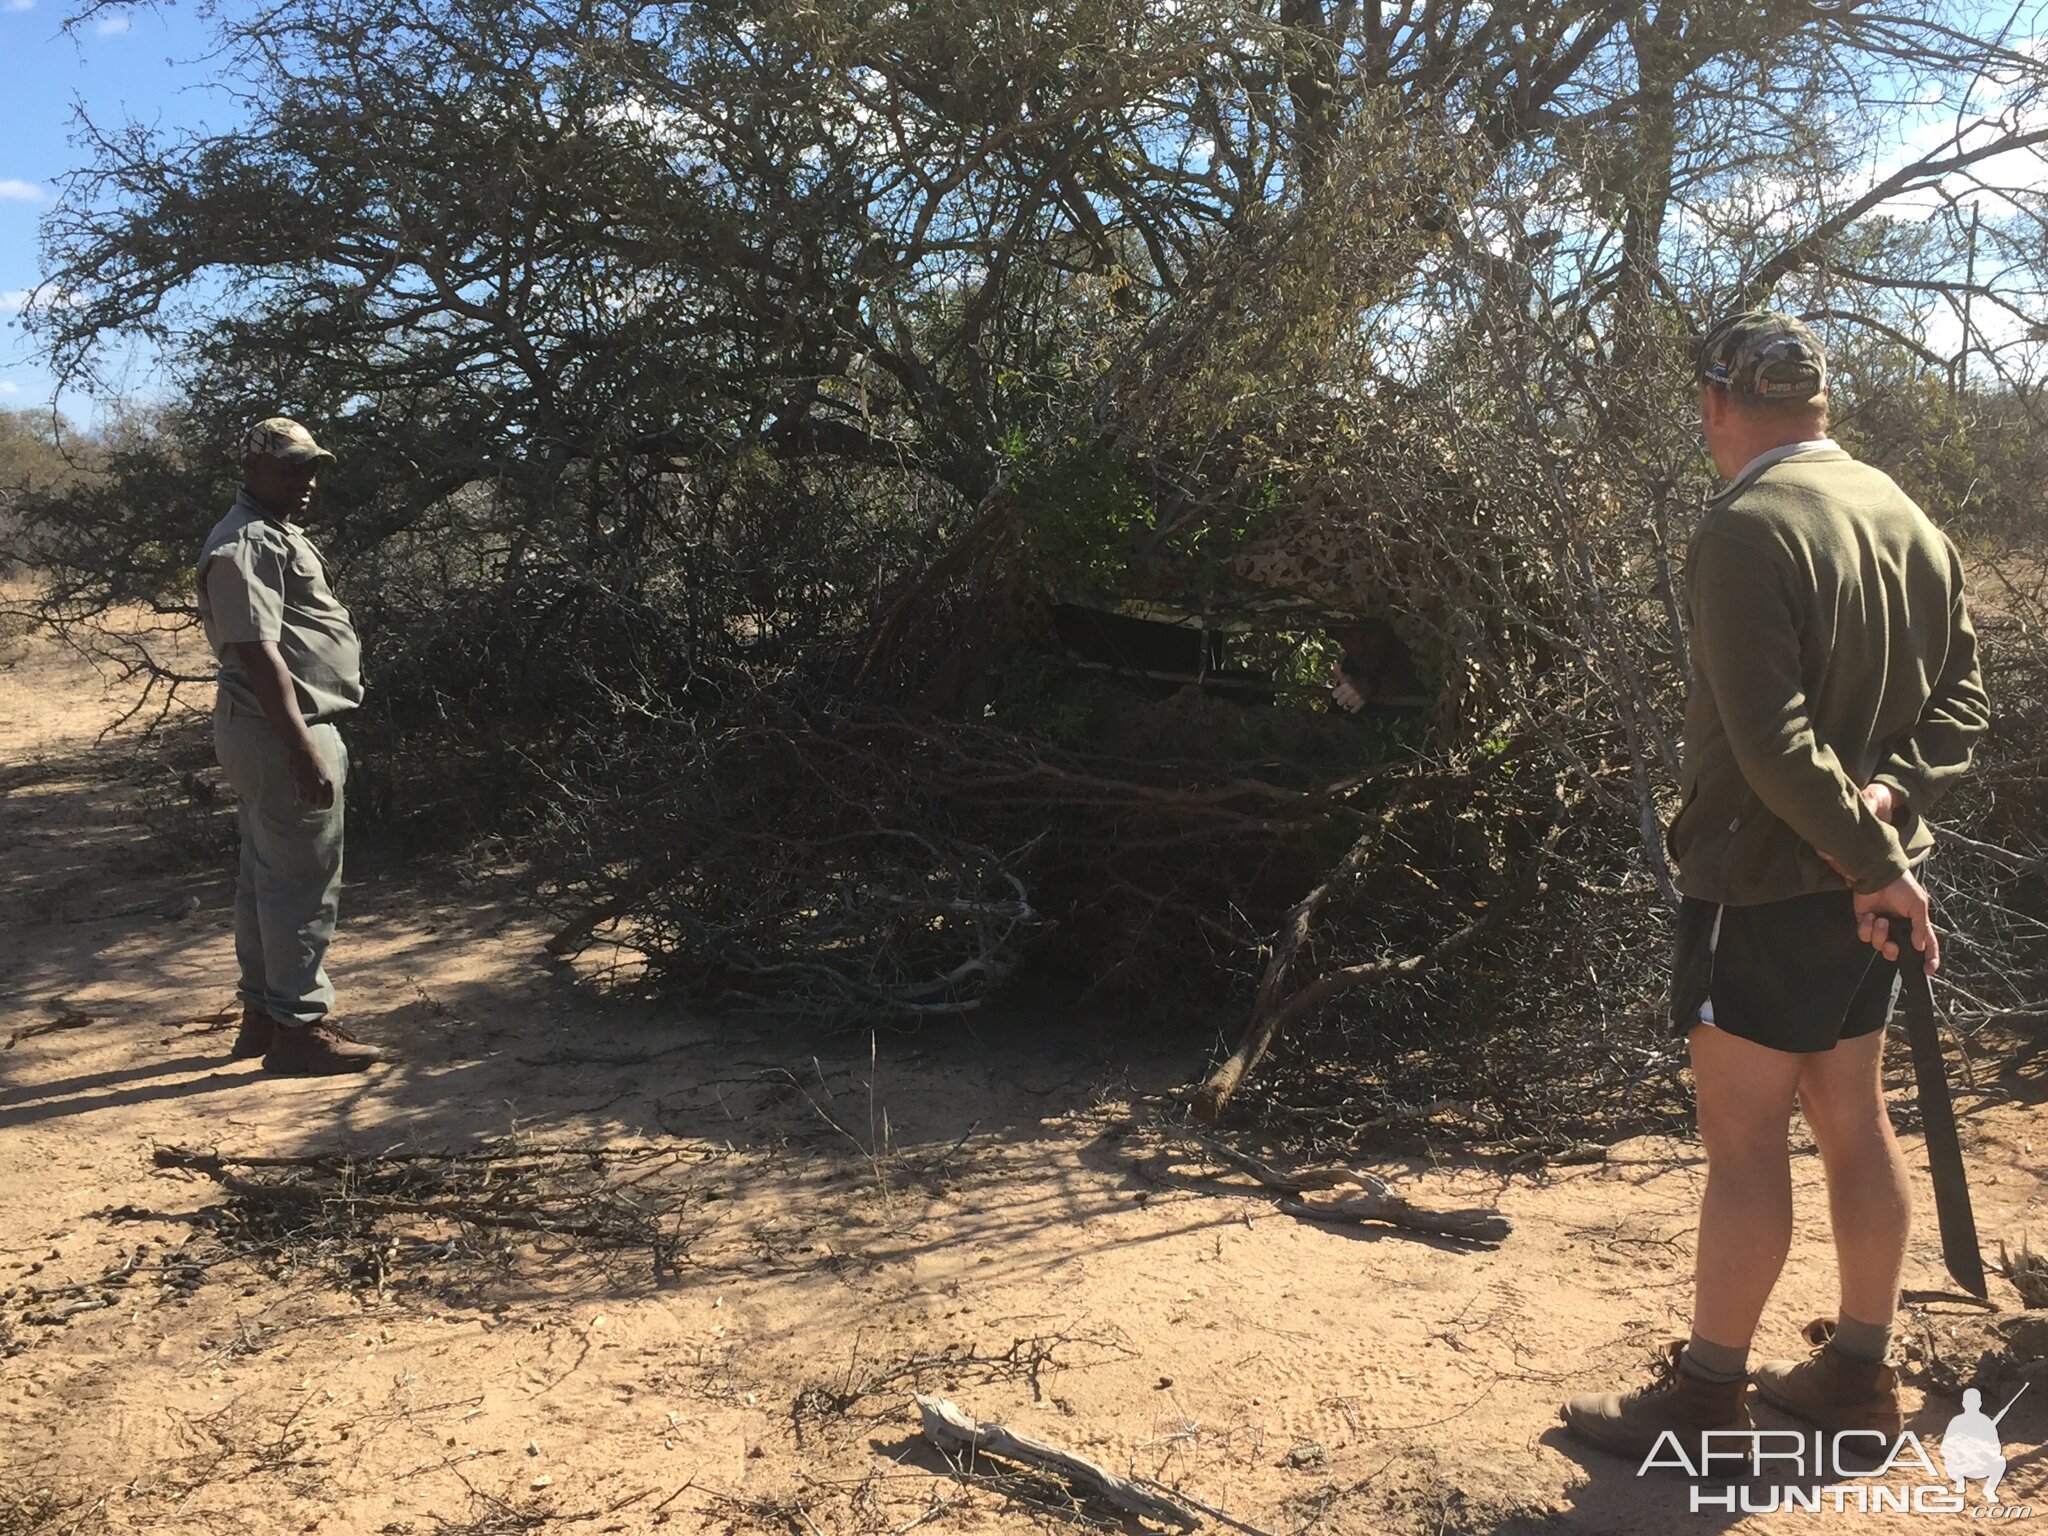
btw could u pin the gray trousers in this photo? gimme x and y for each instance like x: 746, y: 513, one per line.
x: 288, y: 888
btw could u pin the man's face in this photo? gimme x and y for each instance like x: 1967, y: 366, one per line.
x: 285, y: 489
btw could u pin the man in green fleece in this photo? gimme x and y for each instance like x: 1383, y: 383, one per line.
x: 1835, y: 699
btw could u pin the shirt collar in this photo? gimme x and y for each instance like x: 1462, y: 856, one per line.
x: 249, y: 507
x: 1777, y: 455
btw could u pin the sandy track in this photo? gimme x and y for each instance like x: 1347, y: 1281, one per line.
x: 1025, y: 1240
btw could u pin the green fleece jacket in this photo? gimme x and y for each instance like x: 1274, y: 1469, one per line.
x: 1830, y: 648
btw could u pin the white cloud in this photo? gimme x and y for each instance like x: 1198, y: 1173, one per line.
x: 111, y: 26
x: 20, y: 5
x: 8, y: 388
x: 15, y: 300
x: 14, y: 190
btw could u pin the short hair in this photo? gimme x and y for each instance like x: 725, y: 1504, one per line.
x: 1763, y: 408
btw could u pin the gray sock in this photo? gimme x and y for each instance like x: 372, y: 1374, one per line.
x: 1715, y: 1362
x: 1868, y: 1342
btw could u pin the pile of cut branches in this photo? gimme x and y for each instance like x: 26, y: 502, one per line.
x: 365, y: 1220
x: 857, y: 861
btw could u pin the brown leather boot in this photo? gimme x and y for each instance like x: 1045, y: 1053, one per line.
x: 257, y: 1031
x: 317, y: 1050
x: 1630, y: 1424
x: 1831, y: 1390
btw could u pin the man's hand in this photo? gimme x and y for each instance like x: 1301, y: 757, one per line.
x: 1883, y: 804
x: 1904, y: 897
x: 1343, y: 691
x: 272, y: 684
x: 315, y: 784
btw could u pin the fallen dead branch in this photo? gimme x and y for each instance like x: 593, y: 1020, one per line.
x: 1275, y: 1008
x: 1469, y: 1226
x: 592, y: 1152
x: 957, y: 1434
x: 491, y: 1515
x: 221, y: 1018
x: 2028, y: 1272
x: 1354, y: 1195
x: 1220, y: 1516
x: 36, y: 1509
x: 515, y: 1209
x: 72, y: 1019
x: 1026, y: 1359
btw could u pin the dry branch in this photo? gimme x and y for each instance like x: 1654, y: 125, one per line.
x: 1273, y: 1009
x: 996, y: 510
x: 1355, y: 1195
x: 338, y: 1205
x: 955, y: 1433
x: 1469, y: 1226
x: 71, y: 1020
x: 477, y: 1213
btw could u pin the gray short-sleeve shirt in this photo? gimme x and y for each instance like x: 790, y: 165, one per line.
x: 263, y: 580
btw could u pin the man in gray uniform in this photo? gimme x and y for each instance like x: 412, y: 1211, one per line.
x: 290, y: 667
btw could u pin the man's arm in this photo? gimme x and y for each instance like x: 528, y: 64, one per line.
x: 1924, y: 765
x: 271, y: 681
x: 245, y: 587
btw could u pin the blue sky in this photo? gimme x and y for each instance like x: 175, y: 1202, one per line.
x: 139, y: 62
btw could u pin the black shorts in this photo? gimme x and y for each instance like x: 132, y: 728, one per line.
x: 1791, y: 975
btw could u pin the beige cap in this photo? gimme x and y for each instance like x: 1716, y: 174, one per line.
x: 279, y: 437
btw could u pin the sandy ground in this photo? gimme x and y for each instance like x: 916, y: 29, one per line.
x: 986, y: 1210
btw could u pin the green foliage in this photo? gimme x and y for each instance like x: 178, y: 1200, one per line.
x: 1976, y: 459
x: 41, y: 457
x: 1038, y: 695
x: 1081, y: 510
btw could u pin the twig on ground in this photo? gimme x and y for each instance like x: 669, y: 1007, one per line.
x: 957, y: 1434
x: 1353, y: 1194
x: 73, y: 1019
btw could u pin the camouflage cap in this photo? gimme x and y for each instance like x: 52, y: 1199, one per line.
x: 1761, y: 352
x: 279, y: 437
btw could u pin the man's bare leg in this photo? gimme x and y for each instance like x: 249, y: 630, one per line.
x: 1746, y: 1092
x: 1869, y: 1200
x: 1847, y: 1385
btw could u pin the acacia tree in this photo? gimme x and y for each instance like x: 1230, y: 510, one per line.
x: 507, y: 238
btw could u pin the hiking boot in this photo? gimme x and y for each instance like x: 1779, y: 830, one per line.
x: 1830, y: 1389
x: 1630, y: 1424
x: 317, y: 1050
x: 254, y: 1038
